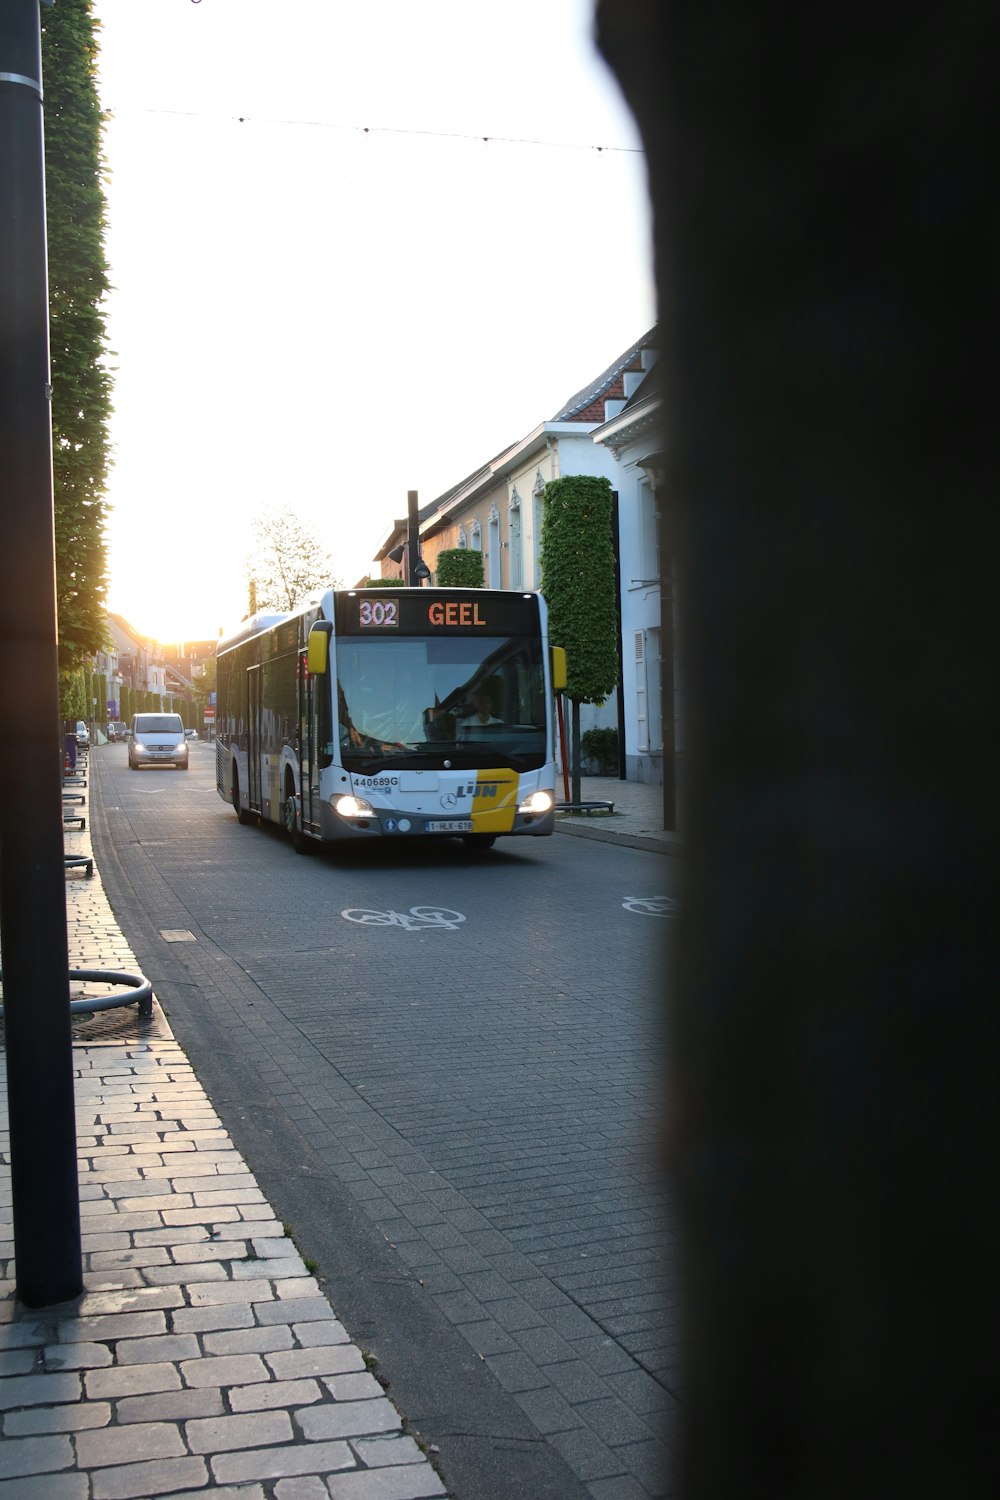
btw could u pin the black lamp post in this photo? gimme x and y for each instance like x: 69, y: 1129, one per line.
x: 416, y: 569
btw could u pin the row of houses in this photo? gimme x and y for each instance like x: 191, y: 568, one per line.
x: 134, y: 661
x: 610, y: 428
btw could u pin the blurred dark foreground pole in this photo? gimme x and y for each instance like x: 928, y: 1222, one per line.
x: 38, y: 1041
x: 826, y: 246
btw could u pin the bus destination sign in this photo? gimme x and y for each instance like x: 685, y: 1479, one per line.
x: 434, y: 611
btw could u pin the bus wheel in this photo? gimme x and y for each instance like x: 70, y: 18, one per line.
x: 299, y: 841
x: 478, y: 843
x: 242, y: 816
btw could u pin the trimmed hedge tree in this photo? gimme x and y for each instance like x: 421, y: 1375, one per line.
x: 578, y: 582
x: 459, y: 568
x: 78, y: 282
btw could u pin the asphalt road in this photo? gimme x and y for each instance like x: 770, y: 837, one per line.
x: 456, y: 1114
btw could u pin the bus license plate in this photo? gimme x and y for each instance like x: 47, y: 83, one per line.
x: 449, y: 825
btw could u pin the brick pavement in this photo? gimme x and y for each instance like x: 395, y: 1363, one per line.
x: 203, y: 1354
x: 636, y: 821
x: 596, y: 1398
x: 490, y: 1163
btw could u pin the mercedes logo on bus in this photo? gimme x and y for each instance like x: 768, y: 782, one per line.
x: 449, y: 800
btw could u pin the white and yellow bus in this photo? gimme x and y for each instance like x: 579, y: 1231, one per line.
x: 392, y: 714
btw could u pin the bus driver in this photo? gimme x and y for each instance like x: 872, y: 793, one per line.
x: 480, y: 720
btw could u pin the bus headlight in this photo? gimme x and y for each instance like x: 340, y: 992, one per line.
x: 352, y: 807
x: 537, y: 802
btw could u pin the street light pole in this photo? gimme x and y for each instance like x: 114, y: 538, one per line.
x: 412, y: 538
x: 39, y: 1047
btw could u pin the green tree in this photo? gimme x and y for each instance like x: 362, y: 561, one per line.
x: 71, y: 697
x: 78, y: 283
x: 459, y: 568
x: 384, y: 583
x: 578, y: 582
x: 285, y: 562
x: 204, y: 685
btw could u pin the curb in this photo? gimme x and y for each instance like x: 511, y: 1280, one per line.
x: 662, y: 843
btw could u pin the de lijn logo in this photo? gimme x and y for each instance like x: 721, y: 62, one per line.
x: 478, y: 789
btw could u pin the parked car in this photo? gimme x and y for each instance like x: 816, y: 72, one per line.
x: 157, y: 740
x: 82, y: 734
x: 117, y: 730
x: 190, y: 734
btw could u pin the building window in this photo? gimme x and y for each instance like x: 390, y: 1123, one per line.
x: 648, y: 702
x: 493, y: 549
x: 514, y: 540
x: 649, y: 531
x: 462, y: 540
x: 537, y: 513
x: 477, y: 536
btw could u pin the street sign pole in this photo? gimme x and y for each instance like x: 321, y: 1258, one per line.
x: 38, y: 1040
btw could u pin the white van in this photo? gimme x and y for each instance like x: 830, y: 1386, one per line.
x: 157, y: 740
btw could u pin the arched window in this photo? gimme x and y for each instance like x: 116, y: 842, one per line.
x: 477, y: 536
x: 493, y: 549
x: 537, y: 511
x: 514, y: 540
x: 462, y: 540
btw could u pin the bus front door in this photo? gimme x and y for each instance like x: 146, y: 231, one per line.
x: 253, y: 737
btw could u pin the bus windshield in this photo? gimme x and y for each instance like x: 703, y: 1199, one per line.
x: 415, y: 700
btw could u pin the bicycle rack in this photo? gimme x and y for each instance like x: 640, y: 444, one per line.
x: 140, y: 993
x: 139, y: 989
x: 585, y: 807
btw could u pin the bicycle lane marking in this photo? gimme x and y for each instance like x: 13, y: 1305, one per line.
x: 652, y: 906
x: 417, y: 919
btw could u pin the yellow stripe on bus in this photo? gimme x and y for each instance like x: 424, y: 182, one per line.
x: 494, y: 802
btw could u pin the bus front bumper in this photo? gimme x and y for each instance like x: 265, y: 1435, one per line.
x: 384, y: 822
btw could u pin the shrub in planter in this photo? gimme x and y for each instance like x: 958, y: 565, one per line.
x: 600, y: 746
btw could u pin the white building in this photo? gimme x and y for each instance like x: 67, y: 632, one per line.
x: 497, y: 510
x: 650, y: 666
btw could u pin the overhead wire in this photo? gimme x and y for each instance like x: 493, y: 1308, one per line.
x: 449, y: 135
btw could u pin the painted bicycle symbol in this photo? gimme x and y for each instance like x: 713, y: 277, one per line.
x: 652, y: 906
x: 417, y: 919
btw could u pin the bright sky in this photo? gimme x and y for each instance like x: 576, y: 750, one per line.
x: 347, y: 293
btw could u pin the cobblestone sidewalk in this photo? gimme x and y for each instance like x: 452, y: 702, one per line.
x: 636, y: 821
x: 202, y: 1355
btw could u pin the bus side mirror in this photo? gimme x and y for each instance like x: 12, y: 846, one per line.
x: 318, y: 649
x: 558, y: 669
